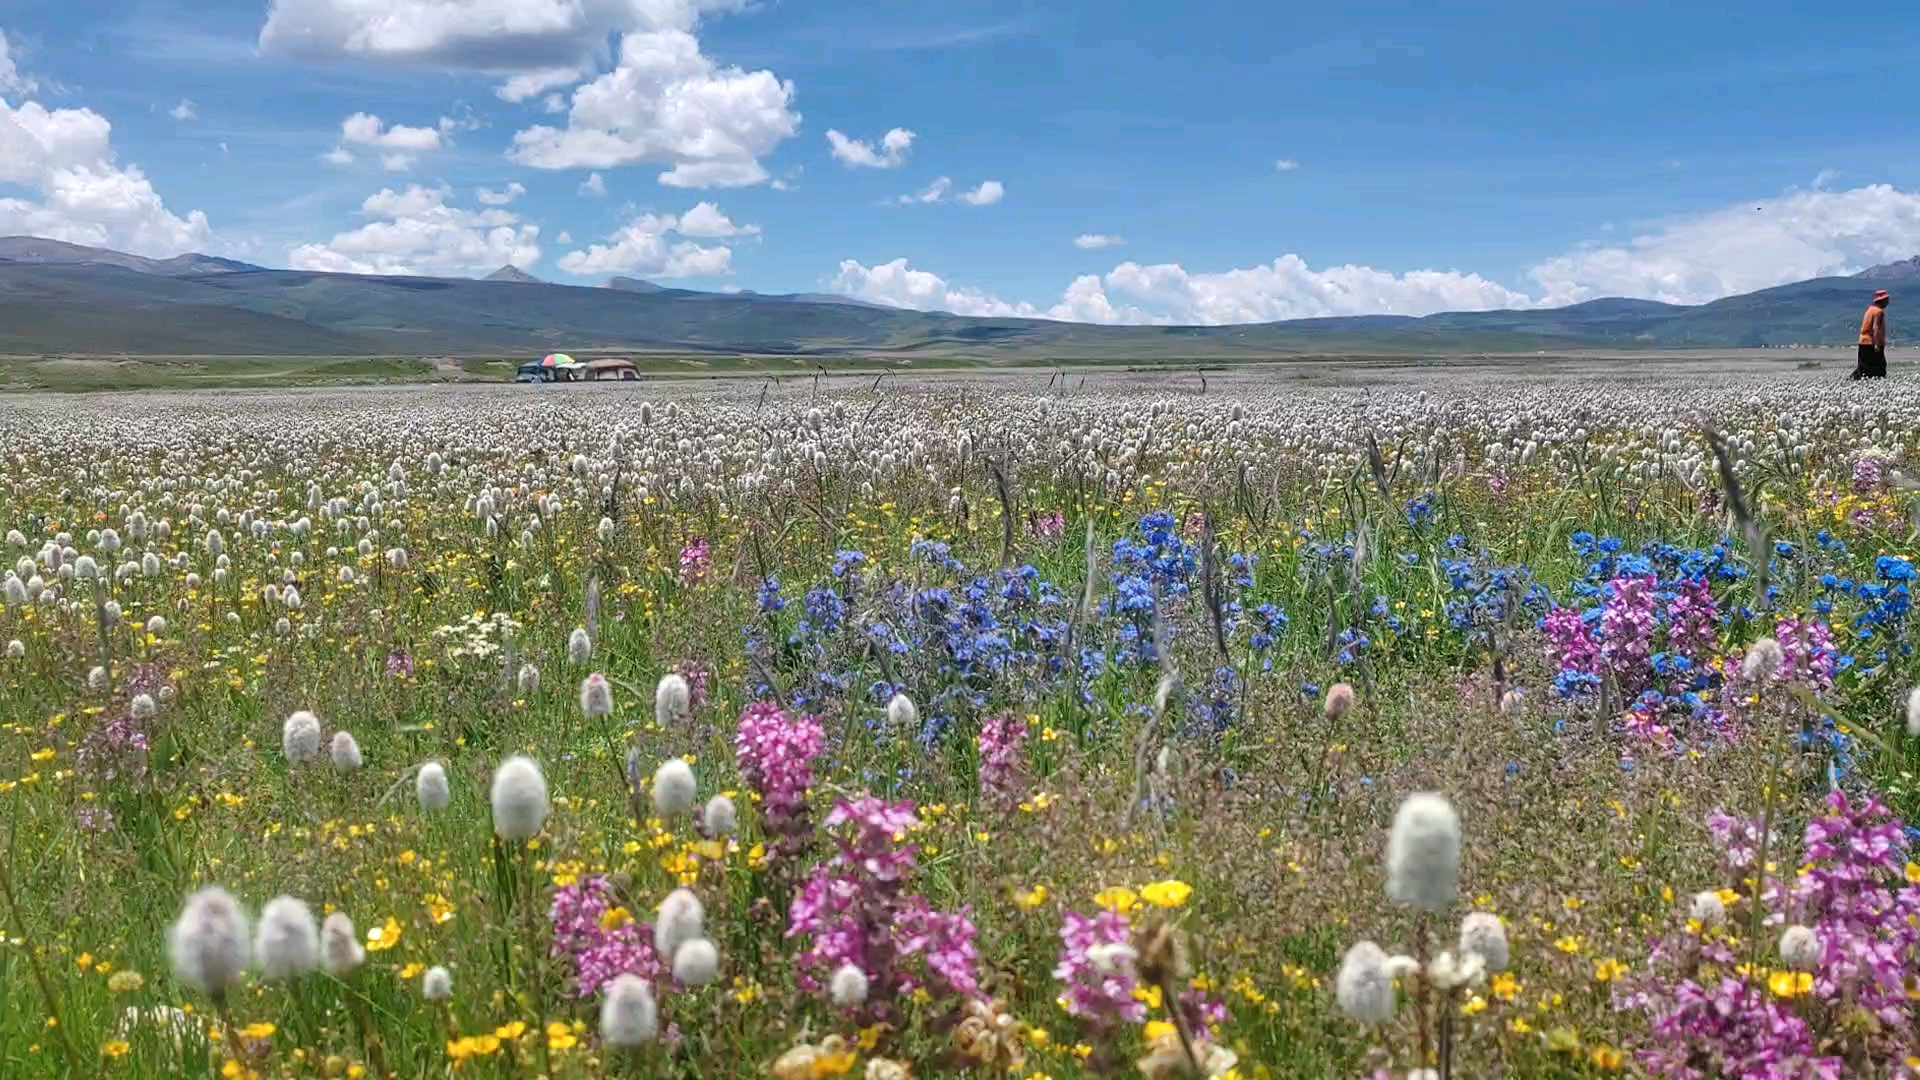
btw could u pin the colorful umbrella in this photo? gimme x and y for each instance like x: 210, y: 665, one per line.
x: 558, y: 359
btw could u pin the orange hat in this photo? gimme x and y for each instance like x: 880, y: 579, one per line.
x: 1882, y: 294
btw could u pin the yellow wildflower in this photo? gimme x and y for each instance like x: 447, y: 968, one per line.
x: 1167, y: 894
x: 1116, y: 898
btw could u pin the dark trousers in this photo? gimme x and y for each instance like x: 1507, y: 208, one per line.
x: 1872, y: 363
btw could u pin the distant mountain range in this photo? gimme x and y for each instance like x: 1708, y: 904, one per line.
x: 64, y: 299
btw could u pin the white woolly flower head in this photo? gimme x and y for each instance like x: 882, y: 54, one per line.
x: 1800, y: 948
x: 1913, y: 714
x: 529, y: 679
x: 628, y: 1015
x: 596, y: 696
x: 300, y: 737
x: 519, y: 799
x: 848, y: 986
x: 436, y: 984
x: 696, y: 962
x: 1111, y: 957
x: 1423, y: 853
x: 1364, y: 987
x: 719, y: 818
x: 340, y: 950
x: 672, y: 700
x: 16, y: 649
x: 902, y: 713
x: 1449, y: 972
x: 143, y: 706
x: 208, y: 944
x: 345, y: 751
x: 430, y: 786
x: 674, y: 788
x: 681, y: 919
x: 97, y: 679
x: 579, y: 647
x: 1482, y: 934
x: 1339, y: 700
x: 1707, y: 909
x: 287, y: 942
x: 1762, y: 661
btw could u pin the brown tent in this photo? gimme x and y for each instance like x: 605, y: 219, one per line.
x: 611, y: 368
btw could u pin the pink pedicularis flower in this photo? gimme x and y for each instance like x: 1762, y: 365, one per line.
x: 775, y: 752
x: 695, y: 558
x: 1000, y: 740
x: 599, y: 948
x: 1097, y: 966
x: 856, y: 908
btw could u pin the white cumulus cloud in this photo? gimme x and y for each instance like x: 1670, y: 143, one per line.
x: 860, y: 154
x: 667, y: 103
x: 183, y: 111
x: 656, y: 246
x: 988, y: 193
x: 1740, y: 248
x: 397, y: 144
x: 65, y: 157
x: 593, y: 185
x: 502, y: 197
x: 932, y: 193
x: 1090, y: 241
x: 416, y: 232
x: 1286, y: 165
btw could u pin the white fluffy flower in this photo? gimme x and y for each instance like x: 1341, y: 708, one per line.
x: 682, y: 918
x: 300, y: 737
x: 719, y: 818
x: 1800, y: 948
x: 345, y: 751
x: 1482, y: 934
x: 208, y: 943
x: 287, y: 942
x: 902, y: 714
x: 596, y: 696
x: 1450, y: 972
x: 430, y: 786
x: 436, y: 984
x: 340, y: 951
x: 1423, y: 853
x: 628, y: 1016
x: 672, y: 700
x: 519, y: 799
x: 696, y: 962
x: 529, y: 679
x: 1364, y: 987
x: 579, y: 647
x: 1913, y: 714
x: 848, y: 986
x: 1707, y: 909
x: 674, y: 788
x: 143, y: 707
x: 1763, y: 660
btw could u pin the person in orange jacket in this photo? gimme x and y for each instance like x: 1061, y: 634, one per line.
x: 1872, y: 363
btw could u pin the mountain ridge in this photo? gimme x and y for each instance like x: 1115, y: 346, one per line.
x: 66, y: 299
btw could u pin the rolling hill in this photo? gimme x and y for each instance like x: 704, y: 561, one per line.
x: 63, y: 299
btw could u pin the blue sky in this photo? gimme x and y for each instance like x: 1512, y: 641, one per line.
x: 1223, y: 162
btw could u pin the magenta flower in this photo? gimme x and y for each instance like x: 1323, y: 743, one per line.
x: 1097, y: 966
x: 1000, y: 740
x: 695, y: 558
x: 597, y: 946
x: 775, y: 753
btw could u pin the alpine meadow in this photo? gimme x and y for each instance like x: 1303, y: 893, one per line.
x: 991, y: 727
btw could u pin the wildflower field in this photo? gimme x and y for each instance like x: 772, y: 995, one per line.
x: 962, y: 728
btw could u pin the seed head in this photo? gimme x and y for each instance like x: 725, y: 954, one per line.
x: 436, y: 984
x: 579, y: 647
x: 1482, y: 934
x: 1363, y: 987
x: 340, y: 951
x: 696, y: 962
x: 430, y: 786
x: 902, y: 714
x: 672, y: 700
x: 674, y: 788
x: 1800, y: 948
x: 97, y: 680
x: 628, y: 1016
x: 1913, y: 714
x: 596, y: 696
x: 848, y: 986
x: 529, y: 679
x: 142, y: 706
x: 1339, y: 700
x: 287, y: 942
x: 1763, y: 660
x: 208, y: 944
x: 300, y: 737
x: 1423, y: 853
x: 1707, y: 909
x: 345, y: 752
x: 16, y: 649
x: 519, y: 799
x: 719, y: 818
x: 681, y: 919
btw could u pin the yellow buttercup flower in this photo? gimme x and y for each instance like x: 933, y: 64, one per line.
x: 1116, y: 898
x: 1166, y: 894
